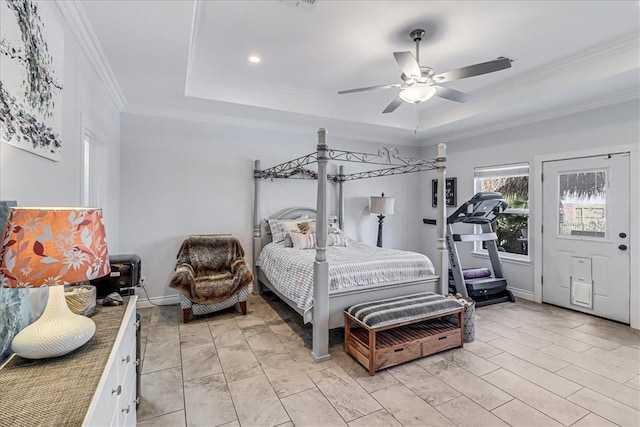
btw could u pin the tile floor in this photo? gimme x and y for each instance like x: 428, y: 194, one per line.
x: 530, y: 365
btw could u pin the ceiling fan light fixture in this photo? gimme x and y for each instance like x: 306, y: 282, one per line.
x: 417, y: 94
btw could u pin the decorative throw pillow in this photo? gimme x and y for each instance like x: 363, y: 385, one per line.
x: 337, y: 238
x: 303, y: 240
x: 280, y: 228
x: 307, y: 226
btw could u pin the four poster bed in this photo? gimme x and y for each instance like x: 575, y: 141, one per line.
x: 354, y: 273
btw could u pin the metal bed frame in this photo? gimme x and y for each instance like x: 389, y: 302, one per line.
x: 328, y: 306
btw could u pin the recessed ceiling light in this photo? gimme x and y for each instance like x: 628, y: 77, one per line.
x: 254, y: 59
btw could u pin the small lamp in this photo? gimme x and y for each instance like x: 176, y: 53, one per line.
x: 381, y: 206
x: 53, y: 247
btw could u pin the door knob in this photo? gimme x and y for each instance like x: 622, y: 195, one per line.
x: 622, y: 247
x: 622, y: 235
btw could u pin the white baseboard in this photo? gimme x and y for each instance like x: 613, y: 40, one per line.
x: 144, y: 302
x: 521, y: 293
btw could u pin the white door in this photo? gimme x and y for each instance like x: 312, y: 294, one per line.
x: 585, y: 239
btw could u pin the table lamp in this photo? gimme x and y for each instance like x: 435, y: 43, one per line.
x: 53, y: 247
x: 381, y: 206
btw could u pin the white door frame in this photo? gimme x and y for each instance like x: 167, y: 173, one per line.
x: 535, y: 220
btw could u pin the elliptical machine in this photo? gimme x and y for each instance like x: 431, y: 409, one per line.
x: 483, y: 286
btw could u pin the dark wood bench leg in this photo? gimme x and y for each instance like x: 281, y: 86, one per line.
x: 347, y: 333
x: 243, y: 308
x: 186, y: 314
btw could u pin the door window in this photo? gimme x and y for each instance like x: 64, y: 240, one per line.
x: 582, y: 207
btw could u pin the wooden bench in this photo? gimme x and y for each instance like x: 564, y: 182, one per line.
x: 388, y: 332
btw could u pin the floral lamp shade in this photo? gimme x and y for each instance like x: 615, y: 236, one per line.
x: 52, y: 247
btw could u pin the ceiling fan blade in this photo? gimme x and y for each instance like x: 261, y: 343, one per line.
x: 394, y: 104
x: 364, y: 89
x: 451, y: 95
x: 408, y: 64
x: 473, y: 70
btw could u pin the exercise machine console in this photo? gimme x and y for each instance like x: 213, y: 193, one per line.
x: 490, y: 288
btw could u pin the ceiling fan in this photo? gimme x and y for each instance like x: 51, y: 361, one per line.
x: 421, y: 83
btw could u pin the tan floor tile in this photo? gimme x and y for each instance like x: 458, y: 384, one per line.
x: 426, y: 386
x: 581, y: 336
x: 466, y: 413
x: 238, y: 362
x: 344, y: 393
x: 208, y: 402
x: 378, y: 419
x: 554, y: 338
x: 165, y: 315
x: 287, y: 424
x: 605, y: 386
x: 160, y: 355
x: 174, y: 419
x: 588, y: 363
x: 161, y: 393
x: 164, y: 333
x: 621, y: 334
x: 469, y: 361
x: 545, y: 379
x: 536, y: 357
x: 256, y: 403
x: 359, y: 373
x: 593, y: 420
x: 628, y: 352
x: 195, y: 333
x: 311, y: 408
x: 499, y: 318
x: 200, y: 361
x: 424, y: 361
x: 408, y: 408
x: 286, y: 378
x: 552, y: 405
x: 606, y: 408
x: 226, y: 334
x: 519, y: 414
x: 481, y: 349
x: 235, y: 423
x: 518, y: 336
x: 265, y: 344
x: 615, y: 359
x: 485, y: 335
x: 248, y: 321
x: 634, y: 382
x: 476, y: 389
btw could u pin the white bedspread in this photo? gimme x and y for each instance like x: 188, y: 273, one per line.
x: 291, y: 270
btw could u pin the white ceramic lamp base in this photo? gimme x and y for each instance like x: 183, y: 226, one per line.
x: 58, y: 331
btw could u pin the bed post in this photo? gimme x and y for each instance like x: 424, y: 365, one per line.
x: 341, y: 197
x: 441, y: 221
x: 257, y: 232
x: 320, y: 346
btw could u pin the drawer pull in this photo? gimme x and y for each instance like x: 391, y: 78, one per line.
x: 126, y: 410
x: 137, y: 362
x: 398, y: 350
x: 117, y: 390
x: 442, y: 338
x: 126, y: 359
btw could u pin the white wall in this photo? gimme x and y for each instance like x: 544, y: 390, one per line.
x: 36, y: 181
x: 182, y: 177
x: 609, y: 126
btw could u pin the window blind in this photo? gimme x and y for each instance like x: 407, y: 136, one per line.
x: 516, y: 169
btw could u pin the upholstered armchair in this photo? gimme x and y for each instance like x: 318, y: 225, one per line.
x: 211, y: 274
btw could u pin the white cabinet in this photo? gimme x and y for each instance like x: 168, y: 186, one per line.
x: 114, y: 403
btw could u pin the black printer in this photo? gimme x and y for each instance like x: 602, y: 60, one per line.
x: 126, y: 273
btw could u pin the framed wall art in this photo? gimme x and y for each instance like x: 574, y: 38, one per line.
x: 450, y: 192
x: 31, y: 58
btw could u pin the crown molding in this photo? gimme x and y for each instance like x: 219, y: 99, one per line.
x: 616, y: 98
x: 336, y: 130
x: 76, y: 18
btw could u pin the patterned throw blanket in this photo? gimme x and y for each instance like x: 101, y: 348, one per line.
x: 211, y: 268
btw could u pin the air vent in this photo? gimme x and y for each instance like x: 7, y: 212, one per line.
x: 302, y: 4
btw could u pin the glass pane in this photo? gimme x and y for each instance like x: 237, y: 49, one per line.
x: 582, y: 204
